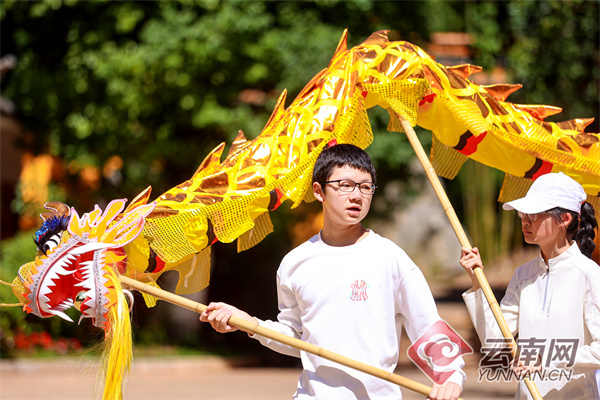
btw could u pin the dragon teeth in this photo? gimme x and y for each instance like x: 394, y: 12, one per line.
x: 44, y: 290
x: 86, y: 284
x: 83, y: 284
x: 43, y: 300
x: 68, y: 303
x: 87, y: 313
x: 87, y: 268
x: 87, y: 275
x: 89, y: 302
x: 56, y: 273
x: 61, y: 314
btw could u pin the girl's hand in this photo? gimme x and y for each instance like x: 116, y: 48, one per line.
x: 469, y: 260
x: 521, y: 369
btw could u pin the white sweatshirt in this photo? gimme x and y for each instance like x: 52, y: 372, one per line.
x: 561, y: 302
x: 352, y: 301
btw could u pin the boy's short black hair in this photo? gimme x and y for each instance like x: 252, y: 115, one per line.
x: 340, y: 155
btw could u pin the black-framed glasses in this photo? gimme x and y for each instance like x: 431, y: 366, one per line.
x: 531, y: 217
x: 348, y: 186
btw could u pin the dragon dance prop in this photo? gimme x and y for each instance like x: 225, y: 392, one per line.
x: 81, y: 259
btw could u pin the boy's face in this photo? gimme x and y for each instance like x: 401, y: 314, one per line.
x: 342, y: 209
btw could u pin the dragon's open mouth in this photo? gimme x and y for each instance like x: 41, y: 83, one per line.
x: 74, y: 274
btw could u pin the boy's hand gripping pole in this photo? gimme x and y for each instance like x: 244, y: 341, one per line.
x: 464, y: 241
x: 271, y: 334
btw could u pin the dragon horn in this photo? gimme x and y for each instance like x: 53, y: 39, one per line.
x: 57, y: 209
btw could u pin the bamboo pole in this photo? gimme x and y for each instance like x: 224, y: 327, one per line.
x: 287, y: 340
x: 464, y: 241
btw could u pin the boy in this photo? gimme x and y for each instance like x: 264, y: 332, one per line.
x: 347, y: 290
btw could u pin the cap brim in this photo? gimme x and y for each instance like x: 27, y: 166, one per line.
x: 527, y: 206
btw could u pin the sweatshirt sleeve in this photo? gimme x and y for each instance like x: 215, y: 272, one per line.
x: 419, y: 313
x: 288, y: 321
x: 483, y: 319
x: 587, y: 357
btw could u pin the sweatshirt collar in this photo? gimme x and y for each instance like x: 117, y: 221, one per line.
x: 346, y: 249
x: 555, y: 262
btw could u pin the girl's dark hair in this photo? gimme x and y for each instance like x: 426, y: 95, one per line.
x: 338, y: 156
x: 581, y: 228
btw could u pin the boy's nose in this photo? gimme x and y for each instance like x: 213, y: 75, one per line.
x: 356, y: 193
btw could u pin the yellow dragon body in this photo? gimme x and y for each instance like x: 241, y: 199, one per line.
x: 80, y: 257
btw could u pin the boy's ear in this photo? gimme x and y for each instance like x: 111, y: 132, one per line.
x: 318, y: 191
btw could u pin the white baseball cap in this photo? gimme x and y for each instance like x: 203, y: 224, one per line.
x: 550, y: 191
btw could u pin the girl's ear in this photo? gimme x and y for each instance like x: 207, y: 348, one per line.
x: 318, y: 191
x: 566, y: 219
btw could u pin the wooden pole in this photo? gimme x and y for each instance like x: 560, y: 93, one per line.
x: 271, y: 334
x: 464, y: 241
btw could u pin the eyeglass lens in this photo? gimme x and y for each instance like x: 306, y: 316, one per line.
x: 531, y: 217
x: 348, y: 186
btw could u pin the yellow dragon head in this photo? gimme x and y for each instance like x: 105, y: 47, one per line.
x: 77, y: 261
x: 77, y: 264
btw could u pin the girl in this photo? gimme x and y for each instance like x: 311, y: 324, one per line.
x: 553, y: 301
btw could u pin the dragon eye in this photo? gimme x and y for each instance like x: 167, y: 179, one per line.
x: 52, y: 242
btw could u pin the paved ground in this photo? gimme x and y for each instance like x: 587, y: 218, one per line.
x: 203, y: 378
x: 185, y: 378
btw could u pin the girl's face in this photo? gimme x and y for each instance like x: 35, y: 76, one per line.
x: 545, y: 231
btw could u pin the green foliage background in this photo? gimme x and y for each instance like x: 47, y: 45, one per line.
x: 160, y: 84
